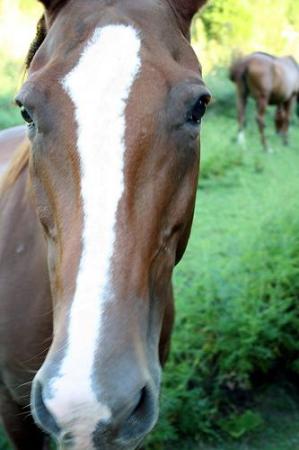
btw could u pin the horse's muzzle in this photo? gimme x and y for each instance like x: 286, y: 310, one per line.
x: 124, y: 430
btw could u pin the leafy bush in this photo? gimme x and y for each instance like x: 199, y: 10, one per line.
x: 242, y: 318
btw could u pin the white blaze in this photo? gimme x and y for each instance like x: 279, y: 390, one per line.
x: 99, y: 86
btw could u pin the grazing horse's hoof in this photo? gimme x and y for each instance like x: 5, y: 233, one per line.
x: 241, y: 139
x: 269, y: 150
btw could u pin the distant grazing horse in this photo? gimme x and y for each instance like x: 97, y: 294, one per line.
x: 269, y: 80
x: 95, y: 211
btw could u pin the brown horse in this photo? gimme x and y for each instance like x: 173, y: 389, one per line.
x: 96, y: 209
x: 270, y: 81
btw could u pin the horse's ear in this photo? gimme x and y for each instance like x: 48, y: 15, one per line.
x: 52, y: 7
x: 52, y: 4
x: 187, y: 8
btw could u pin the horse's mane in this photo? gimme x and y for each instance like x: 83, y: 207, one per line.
x: 237, y: 68
x: 238, y: 65
x: 37, y: 41
x: 265, y: 54
x: 291, y: 58
x: 18, y: 163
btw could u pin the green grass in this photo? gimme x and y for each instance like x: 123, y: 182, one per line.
x: 280, y: 430
x: 235, y: 291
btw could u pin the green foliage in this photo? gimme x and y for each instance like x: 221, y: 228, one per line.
x: 237, y: 425
x: 28, y: 6
x: 242, y: 318
x: 229, y: 21
x: 17, y: 29
x: 3, y: 443
x: 229, y: 28
x: 9, y: 113
x: 293, y: 13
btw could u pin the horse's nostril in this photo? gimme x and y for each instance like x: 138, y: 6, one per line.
x: 142, y: 418
x: 40, y: 412
x: 140, y: 406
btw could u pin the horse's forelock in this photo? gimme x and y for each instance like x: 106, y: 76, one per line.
x: 291, y: 58
x: 40, y: 35
x: 41, y: 29
x: 52, y: 4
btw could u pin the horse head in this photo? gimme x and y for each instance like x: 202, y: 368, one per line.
x: 113, y: 101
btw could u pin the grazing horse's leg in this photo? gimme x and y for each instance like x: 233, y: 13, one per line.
x: 282, y: 119
x: 19, y: 425
x: 279, y: 118
x: 242, y: 95
x: 261, y: 104
x: 287, y: 108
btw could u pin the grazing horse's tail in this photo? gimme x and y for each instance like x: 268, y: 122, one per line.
x: 237, y: 70
x: 238, y: 74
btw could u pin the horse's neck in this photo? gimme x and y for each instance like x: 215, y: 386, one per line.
x: 20, y: 228
x: 10, y: 140
x: 289, y: 70
x: 25, y: 296
x: 297, y: 68
x: 292, y: 62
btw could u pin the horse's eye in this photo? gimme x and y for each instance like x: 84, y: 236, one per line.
x: 26, y: 116
x: 197, y: 111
